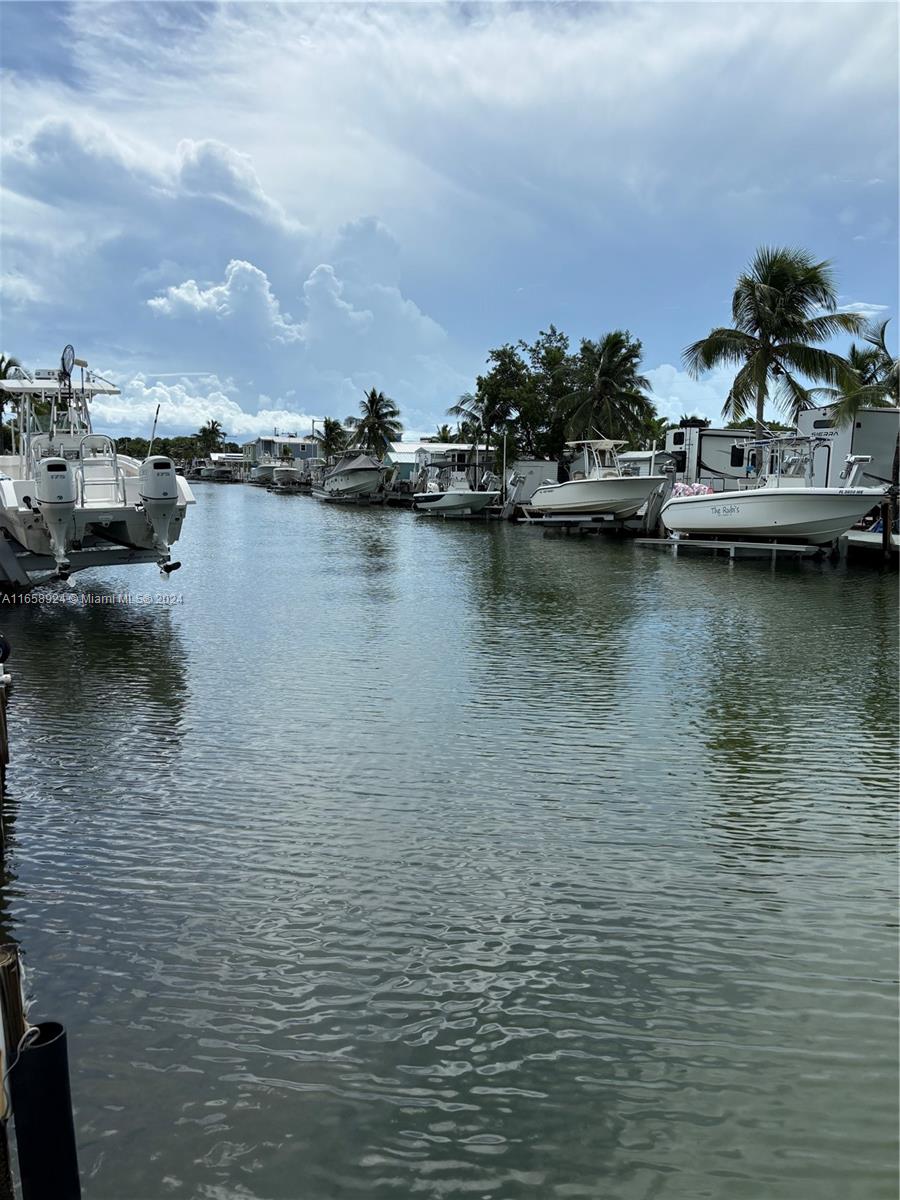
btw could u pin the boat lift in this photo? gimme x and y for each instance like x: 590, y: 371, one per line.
x: 732, y: 549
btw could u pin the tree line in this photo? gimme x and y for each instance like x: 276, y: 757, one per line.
x: 539, y: 395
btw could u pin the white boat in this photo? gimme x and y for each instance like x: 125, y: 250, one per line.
x: 449, y: 493
x: 68, y: 500
x: 286, y: 477
x: 602, y: 488
x: 221, y: 467
x: 262, y: 474
x: 353, y: 478
x: 781, y: 503
x: 213, y: 474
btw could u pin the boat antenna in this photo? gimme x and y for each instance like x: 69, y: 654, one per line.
x: 153, y: 433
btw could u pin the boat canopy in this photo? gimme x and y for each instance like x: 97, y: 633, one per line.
x: 93, y: 386
x: 362, y: 462
x: 598, y: 443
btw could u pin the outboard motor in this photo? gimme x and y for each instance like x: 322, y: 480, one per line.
x: 159, y: 495
x: 55, y: 493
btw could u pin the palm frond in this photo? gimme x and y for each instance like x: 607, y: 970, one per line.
x: 828, y: 325
x: 720, y: 347
x: 742, y: 393
x: 791, y: 396
x: 816, y: 364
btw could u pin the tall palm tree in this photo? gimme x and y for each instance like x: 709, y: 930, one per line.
x: 378, y: 423
x: 210, y: 437
x: 610, y: 392
x: 784, y: 307
x: 874, y: 377
x: 332, y: 437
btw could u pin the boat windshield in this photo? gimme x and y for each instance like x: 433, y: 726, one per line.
x: 795, y: 461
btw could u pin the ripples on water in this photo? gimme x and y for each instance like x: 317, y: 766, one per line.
x: 409, y: 858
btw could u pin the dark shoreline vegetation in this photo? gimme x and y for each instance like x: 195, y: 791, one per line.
x: 537, y: 395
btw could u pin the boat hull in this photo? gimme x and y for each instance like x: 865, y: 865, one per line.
x: 286, y: 478
x: 620, y: 496
x: 124, y: 530
x: 815, y: 515
x: 458, y: 502
x: 351, y: 485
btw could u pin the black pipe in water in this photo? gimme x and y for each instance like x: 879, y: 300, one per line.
x: 42, y: 1110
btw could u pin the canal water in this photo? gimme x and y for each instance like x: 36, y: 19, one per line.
x: 396, y: 857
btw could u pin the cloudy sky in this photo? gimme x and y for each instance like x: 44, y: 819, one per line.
x: 256, y: 211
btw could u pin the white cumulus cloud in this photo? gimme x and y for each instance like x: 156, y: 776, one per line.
x: 245, y: 295
x: 186, y: 405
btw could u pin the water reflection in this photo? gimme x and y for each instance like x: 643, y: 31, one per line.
x: 478, y: 864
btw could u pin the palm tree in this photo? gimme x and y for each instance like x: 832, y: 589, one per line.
x: 498, y: 394
x: 655, y: 431
x: 471, y: 413
x: 332, y: 437
x: 443, y: 433
x: 378, y: 424
x: 784, y: 307
x: 210, y: 437
x: 874, y: 377
x: 610, y: 393
x: 10, y: 368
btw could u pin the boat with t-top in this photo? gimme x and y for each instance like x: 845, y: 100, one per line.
x: 68, y: 499
x: 778, y: 501
x: 445, y: 487
x: 599, y: 486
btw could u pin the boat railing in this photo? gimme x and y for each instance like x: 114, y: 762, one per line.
x: 98, y: 474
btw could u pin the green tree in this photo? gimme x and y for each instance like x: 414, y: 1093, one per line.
x: 443, y: 433
x: 874, y: 380
x: 610, y: 393
x: 332, y: 438
x: 497, y: 397
x: 10, y: 368
x: 210, y: 437
x: 543, y: 407
x: 783, y: 308
x: 378, y: 423
x: 135, y: 447
x: 750, y: 423
x: 656, y: 430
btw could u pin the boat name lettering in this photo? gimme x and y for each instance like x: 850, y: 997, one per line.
x: 724, y: 510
